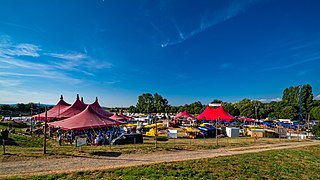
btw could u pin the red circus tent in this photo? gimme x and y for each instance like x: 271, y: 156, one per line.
x: 96, y: 106
x: 77, y: 107
x: 87, y: 119
x: 115, y: 116
x: 124, y: 116
x: 212, y: 114
x: 184, y: 114
x: 206, y: 114
x: 54, y: 112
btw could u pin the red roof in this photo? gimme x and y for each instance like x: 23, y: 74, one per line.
x: 54, y: 112
x: 212, y: 114
x: 183, y: 114
x: 124, y: 116
x: 206, y: 114
x: 75, y: 109
x: 115, y: 116
x: 246, y: 119
x: 96, y: 106
x: 87, y: 119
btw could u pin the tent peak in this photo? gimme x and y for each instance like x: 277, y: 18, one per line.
x: 61, y: 97
x: 96, y: 98
x: 82, y: 99
x: 77, y: 96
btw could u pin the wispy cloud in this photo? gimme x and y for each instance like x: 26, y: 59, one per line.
x: 68, y: 56
x: 232, y: 10
x: 265, y: 100
x: 9, y: 49
x: 9, y: 82
x: 59, y: 67
x: 15, y: 95
x: 79, y: 59
x: 20, y: 68
x: 317, y: 97
x: 297, y: 60
x: 110, y: 82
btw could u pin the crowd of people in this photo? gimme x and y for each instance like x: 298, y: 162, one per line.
x: 101, y: 136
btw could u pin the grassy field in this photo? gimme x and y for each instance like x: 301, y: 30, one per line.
x: 26, y: 147
x: 300, y: 163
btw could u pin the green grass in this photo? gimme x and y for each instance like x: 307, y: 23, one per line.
x: 28, y: 148
x: 25, y: 141
x: 299, y: 163
x: 18, y: 126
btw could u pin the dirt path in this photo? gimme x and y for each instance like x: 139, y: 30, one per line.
x: 51, y: 166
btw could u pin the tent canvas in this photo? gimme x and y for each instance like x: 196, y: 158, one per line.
x: 212, y: 114
x: 76, y: 108
x: 184, y: 114
x: 54, y: 112
x: 87, y: 119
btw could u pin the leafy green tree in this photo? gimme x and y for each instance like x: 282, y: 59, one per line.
x: 6, y: 107
x: 231, y: 109
x: 307, y: 99
x: 247, y: 110
x: 288, y: 112
x: 316, y: 130
x: 291, y: 95
x: 173, y: 109
x: 216, y: 101
x: 148, y: 103
x: 132, y: 109
x: 181, y: 108
x: 145, y: 103
x: 315, y: 113
x: 194, y: 108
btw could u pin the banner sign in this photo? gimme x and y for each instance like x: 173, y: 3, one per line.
x: 81, y: 140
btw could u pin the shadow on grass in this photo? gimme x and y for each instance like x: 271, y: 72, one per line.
x: 10, y: 142
x: 107, y: 154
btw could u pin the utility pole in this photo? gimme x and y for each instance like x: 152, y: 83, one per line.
x: 217, y: 130
x: 45, y: 132
x: 256, y: 111
x: 156, y: 135
x: 300, y: 97
x: 31, y: 119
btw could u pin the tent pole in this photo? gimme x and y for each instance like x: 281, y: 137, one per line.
x: 45, y: 133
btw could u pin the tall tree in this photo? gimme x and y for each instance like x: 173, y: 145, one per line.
x: 291, y: 95
x: 216, y: 101
x: 132, y: 109
x: 315, y: 113
x: 145, y: 103
x: 160, y: 103
x: 307, y: 99
x: 288, y: 112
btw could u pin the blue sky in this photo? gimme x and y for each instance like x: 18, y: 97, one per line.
x: 185, y: 50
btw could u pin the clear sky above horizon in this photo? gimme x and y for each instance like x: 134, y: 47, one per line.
x: 185, y: 50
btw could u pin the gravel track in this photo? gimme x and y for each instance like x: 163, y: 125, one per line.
x: 65, y: 165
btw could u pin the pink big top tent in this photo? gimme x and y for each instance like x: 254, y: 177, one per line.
x: 54, y: 112
x: 87, y: 119
x: 77, y: 107
x: 212, y: 114
x: 184, y: 114
x: 96, y: 106
x: 124, y: 116
x: 115, y: 116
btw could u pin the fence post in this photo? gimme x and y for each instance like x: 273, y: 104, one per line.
x: 4, y: 147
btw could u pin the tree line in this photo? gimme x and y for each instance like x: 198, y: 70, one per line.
x: 21, y: 109
x: 287, y: 108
